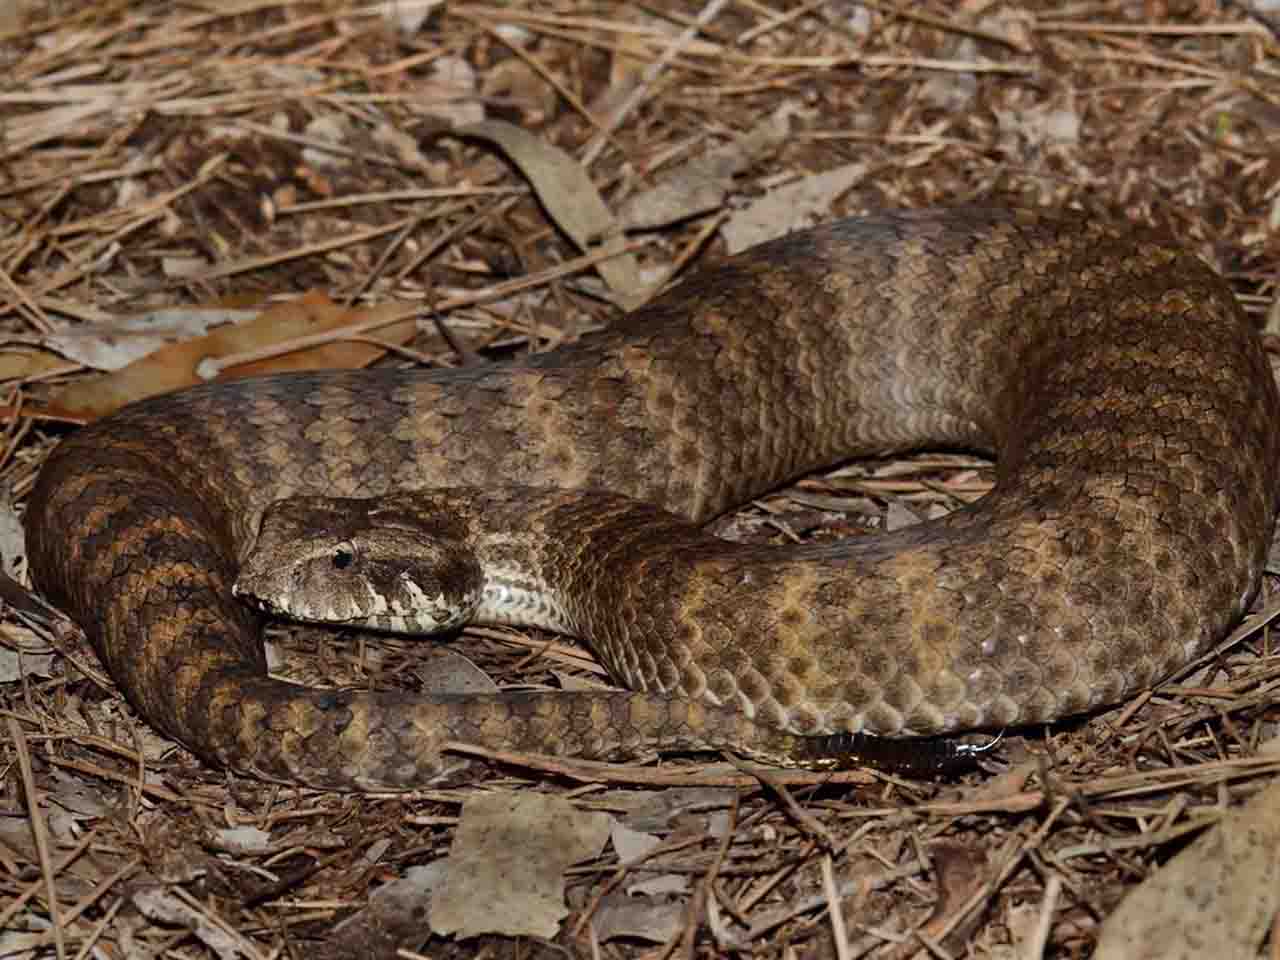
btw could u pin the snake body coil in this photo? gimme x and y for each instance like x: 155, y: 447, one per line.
x: 1130, y: 404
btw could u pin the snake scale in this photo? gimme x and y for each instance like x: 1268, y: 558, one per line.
x: 1127, y: 398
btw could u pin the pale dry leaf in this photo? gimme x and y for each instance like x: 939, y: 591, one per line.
x: 627, y: 65
x: 1026, y: 131
x: 23, y: 935
x: 1041, y: 125
x: 659, y: 885
x: 244, y: 840
x: 897, y: 516
x: 402, y: 146
x: 576, y: 682
x: 81, y: 798
x: 949, y: 90
x: 157, y: 904
x: 63, y: 827
x: 1023, y: 919
x: 631, y: 845
x: 375, y: 851
x: 570, y: 199
x: 183, y: 268
x: 857, y: 22
x: 656, y: 919
x: 408, y: 16
x: 1216, y: 898
x: 516, y: 82
x: 791, y: 207
x: 179, y: 364
x: 13, y: 539
x: 451, y: 96
x: 1060, y: 125
x: 659, y: 811
x: 111, y: 346
x: 1011, y: 781
x: 15, y: 664
x: 1273, y: 312
x: 447, y: 671
x: 1014, y: 24
x: 329, y: 128
x: 701, y: 184
x: 513, y: 34
x: 513, y: 849
x: 77, y: 879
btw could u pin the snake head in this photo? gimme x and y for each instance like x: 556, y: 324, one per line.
x: 352, y: 563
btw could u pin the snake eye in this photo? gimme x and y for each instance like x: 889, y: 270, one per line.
x: 343, y: 557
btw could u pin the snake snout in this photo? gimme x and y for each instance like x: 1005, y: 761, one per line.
x: 341, y: 563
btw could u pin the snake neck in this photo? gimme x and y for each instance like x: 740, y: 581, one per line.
x: 430, y: 561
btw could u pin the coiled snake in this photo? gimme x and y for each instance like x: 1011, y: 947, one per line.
x: 1128, y: 399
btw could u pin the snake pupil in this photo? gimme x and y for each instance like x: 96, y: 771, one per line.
x: 342, y: 559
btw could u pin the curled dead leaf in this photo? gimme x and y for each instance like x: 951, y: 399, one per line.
x: 570, y: 199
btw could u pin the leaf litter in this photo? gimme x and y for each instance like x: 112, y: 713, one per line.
x: 160, y: 157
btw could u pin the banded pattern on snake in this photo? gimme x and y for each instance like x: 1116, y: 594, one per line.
x: 1128, y: 400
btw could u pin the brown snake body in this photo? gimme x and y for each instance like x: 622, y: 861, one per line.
x: 1128, y: 399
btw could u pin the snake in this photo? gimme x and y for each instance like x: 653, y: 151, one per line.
x: 1126, y: 397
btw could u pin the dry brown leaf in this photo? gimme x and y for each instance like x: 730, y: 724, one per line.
x: 790, y: 207
x: 575, y: 681
x: 667, y: 810
x: 14, y: 664
x: 701, y: 184
x: 631, y: 845
x: 407, y: 18
x: 158, y: 904
x: 447, y: 671
x: 116, y: 344
x: 451, y: 95
x: 656, y: 919
x: 175, y: 365
x: 960, y: 869
x: 570, y: 198
x: 518, y: 82
x: 1216, y: 898
x: 512, y: 850
x: 19, y: 363
x: 1273, y: 312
